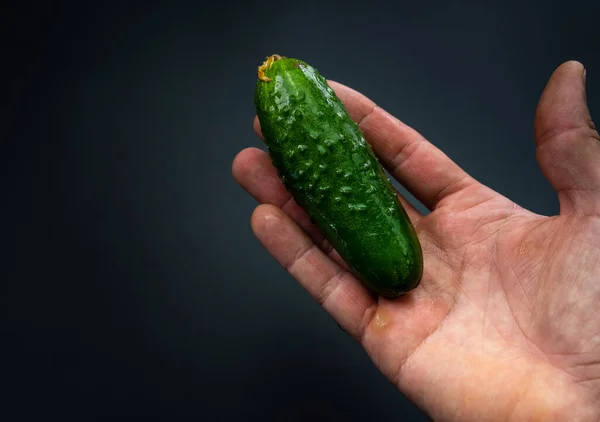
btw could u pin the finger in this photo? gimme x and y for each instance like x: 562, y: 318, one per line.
x: 428, y: 173
x: 332, y: 286
x: 254, y: 171
x: 568, y: 151
x: 257, y: 128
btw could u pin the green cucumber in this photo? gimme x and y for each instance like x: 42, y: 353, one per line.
x: 325, y: 163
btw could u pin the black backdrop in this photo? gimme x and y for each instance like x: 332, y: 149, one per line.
x: 132, y: 284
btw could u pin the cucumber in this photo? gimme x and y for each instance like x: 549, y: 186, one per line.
x: 325, y: 163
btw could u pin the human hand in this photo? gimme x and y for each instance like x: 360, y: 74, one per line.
x: 504, y: 325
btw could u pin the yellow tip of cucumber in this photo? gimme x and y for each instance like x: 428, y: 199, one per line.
x: 266, y: 66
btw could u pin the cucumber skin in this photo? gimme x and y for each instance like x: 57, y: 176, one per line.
x: 325, y: 163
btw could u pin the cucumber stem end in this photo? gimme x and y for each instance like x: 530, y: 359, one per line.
x: 266, y: 66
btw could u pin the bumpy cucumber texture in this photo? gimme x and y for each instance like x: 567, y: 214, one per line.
x: 325, y: 163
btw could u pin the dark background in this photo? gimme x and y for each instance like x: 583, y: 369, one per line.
x: 132, y: 284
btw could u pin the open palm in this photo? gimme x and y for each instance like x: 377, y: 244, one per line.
x: 503, y: 325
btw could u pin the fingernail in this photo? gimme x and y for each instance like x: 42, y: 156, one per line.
x: 584, y: 74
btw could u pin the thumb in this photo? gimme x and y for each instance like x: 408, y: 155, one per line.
x: 568, y: 147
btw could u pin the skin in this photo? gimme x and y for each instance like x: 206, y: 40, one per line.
x: 504, y: 325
